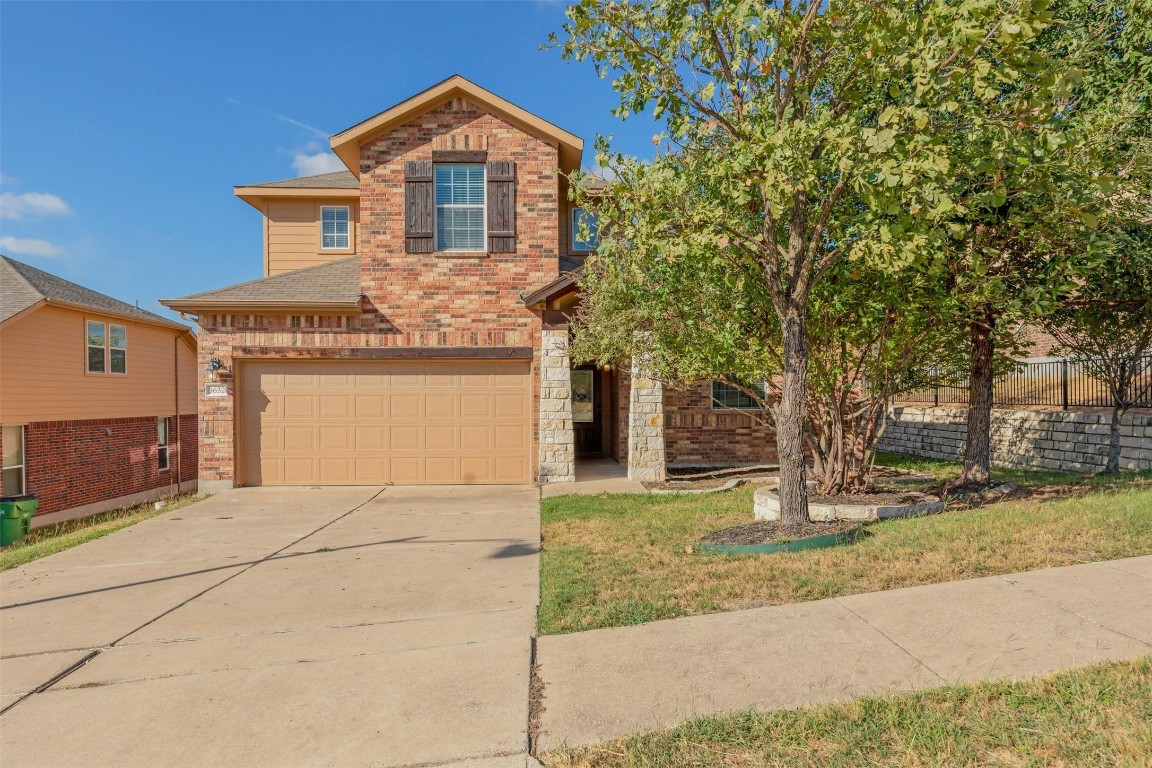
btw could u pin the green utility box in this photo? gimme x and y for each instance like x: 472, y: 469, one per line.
x: 16, y: 518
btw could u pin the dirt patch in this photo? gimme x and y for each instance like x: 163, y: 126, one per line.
x: 774, y: 531
x: 535, y: 705
x: 705, y: 478
x: 878, y: 495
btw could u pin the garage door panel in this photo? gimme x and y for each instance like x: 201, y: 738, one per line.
x: 510, y: 405
x: 384, y: 422
x: 405, y: 406
x: 440, y: 437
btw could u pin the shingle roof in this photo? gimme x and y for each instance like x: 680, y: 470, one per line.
x: 337, y: 180
x: 335, y: 283
x: 21, y: 286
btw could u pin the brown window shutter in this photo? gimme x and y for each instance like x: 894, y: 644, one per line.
x: 501, y: 206
x: 418, y: 206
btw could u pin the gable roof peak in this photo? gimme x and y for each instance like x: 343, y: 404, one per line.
x: 347, y: 143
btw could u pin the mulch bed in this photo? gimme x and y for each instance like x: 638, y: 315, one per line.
x: 771, y: 531
x: 879, y: 495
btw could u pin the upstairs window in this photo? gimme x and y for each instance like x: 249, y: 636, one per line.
x: 107, y: 346
x: 727, y: 396
x: 460, y: 205
x: 334, y: 227
x: 591, y: 223
x: 97, y: 341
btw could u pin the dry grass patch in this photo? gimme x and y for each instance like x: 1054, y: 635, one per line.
x: 614, y: 560
x: 50, y: 539
x: 1097, y: 716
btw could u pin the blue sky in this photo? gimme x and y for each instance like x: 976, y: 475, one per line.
x: 124, y: 126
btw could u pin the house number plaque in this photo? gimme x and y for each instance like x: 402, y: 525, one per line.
x: 215, y: 390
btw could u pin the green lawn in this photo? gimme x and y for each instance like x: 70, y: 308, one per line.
x: 614, y: 560
x: 1095, y: 716
x: 51, y: 539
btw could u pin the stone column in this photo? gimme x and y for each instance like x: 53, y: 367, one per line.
x: 557, y: 462
x: 645, y: 427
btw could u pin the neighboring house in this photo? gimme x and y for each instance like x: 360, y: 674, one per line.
x: 91, y: 393
x: 412, y: 324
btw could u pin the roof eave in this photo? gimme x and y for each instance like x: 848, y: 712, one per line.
x: 252, y: 195
x: 256, y: 307
x: 24, y: 312
x: 157, y: 321
x: 561, y: 286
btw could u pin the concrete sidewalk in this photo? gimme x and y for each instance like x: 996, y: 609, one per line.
x: 614, y: 682
x: 272, y: 627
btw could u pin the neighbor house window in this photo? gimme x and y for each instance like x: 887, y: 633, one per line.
x: 162, y: 424
x: 97, y: 340
x: 334, y: 227
x: 589, y: 221
x: 460, y: 202
x: 13, y: 477
x: 117, y: 349
x: 107, y: 348
x: 727, y: 396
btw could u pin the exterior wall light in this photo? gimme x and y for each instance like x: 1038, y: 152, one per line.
x: 210, y: 370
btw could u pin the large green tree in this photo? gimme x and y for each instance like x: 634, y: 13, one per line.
x: 1036, y: 173
x: 798, y: 135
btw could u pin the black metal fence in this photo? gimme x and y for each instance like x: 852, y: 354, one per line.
x: 1056, y: 383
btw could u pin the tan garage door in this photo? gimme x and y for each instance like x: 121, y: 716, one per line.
x: 364, y: 423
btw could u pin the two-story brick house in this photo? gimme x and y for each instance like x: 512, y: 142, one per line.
x: 410, y: 326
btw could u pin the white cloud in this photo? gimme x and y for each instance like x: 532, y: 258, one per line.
x: 13, y: 206
x: 6, y: 179
x: 22, y: 246
x: 315, y: 164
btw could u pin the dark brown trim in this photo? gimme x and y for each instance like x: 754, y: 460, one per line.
x: 558, y: 287
x: 554, y: 320
x: 459, y: 155
x: 384, y: 353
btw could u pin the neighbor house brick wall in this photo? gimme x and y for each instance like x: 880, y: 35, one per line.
x: 1027, y: 439
x: 696, y: 434
x: 73, y: 463
x: 411, y: 300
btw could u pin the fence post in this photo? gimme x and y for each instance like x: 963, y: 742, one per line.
x: 935, y: 395
x: 1064, y: 383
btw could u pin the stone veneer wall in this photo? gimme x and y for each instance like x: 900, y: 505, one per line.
x: 645, y: 427
x: 1067, y: 440
x: 557, y: 462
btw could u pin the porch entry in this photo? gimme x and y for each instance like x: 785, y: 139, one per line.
x: 593, y: 411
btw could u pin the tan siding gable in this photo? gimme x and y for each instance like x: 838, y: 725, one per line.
x: 43, y: 377
x: 293, y: 233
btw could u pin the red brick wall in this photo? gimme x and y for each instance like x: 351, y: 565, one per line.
x: 73, y: 463
x: 696, y: 434
x: 413, y: 300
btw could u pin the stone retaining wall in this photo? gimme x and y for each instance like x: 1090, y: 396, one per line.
x: 1067, y: 440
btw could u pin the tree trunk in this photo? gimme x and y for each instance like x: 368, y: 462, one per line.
x: 978, y: 448
x: 790, y: 423
x: 1114, y: 439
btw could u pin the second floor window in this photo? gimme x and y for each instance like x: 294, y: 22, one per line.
x: 334, y: 227
x: 460, y: 202
x: 107, y: 347
x: 588, y: 220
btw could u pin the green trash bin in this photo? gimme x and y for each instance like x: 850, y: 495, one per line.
x: 12, y: 527
x: 27, y: 507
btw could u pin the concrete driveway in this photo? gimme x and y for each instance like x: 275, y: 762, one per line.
x: 342, y: 626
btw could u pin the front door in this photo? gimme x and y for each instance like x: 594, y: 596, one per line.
x: 587, y: 411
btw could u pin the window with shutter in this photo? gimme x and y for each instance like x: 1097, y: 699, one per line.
x: 501, y: 206
x: 459, y: 190
x: 418, y: 215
